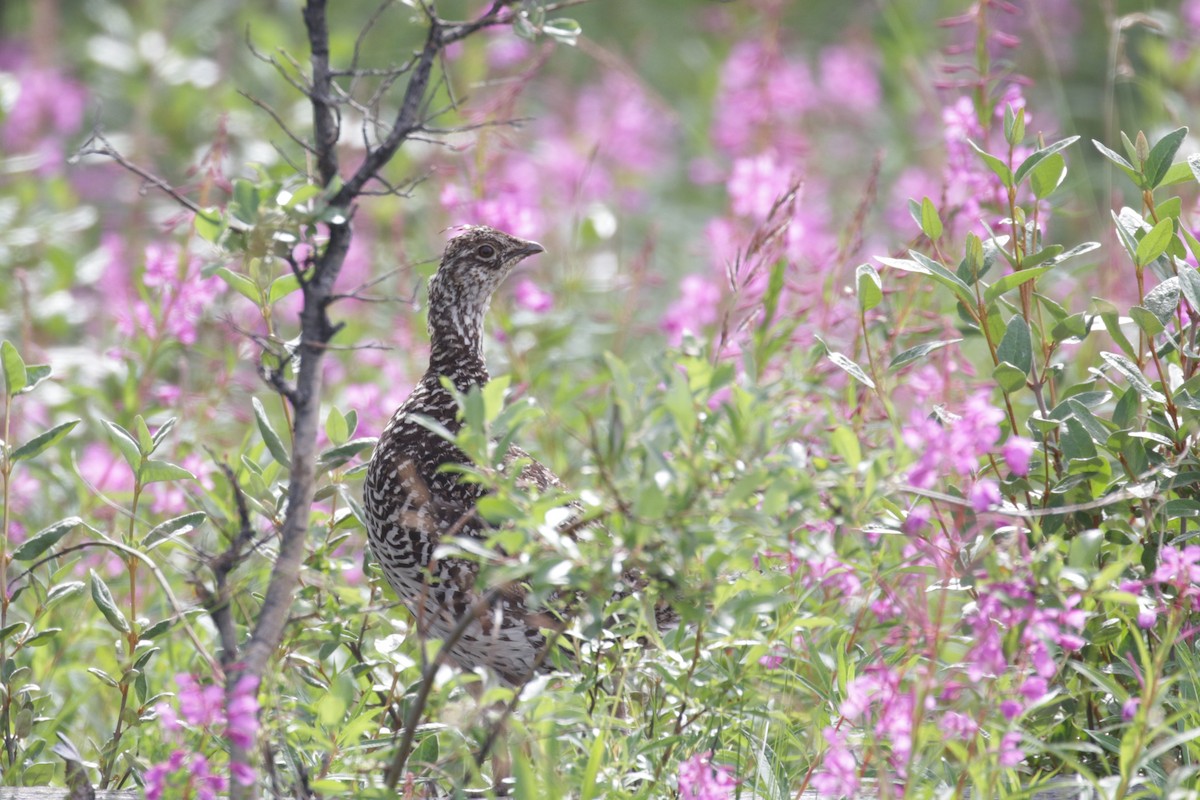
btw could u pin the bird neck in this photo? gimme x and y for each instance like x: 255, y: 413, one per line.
x: 456, y: 345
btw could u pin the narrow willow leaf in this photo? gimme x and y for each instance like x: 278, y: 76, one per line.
x: 1120, y: 161
x: 870, y: 288
x: 125, y: 442
x: 240, y: 284
x: 1154, y: 243
x: 104, y: 601
x: 34, y: 374
x: 1075, y: 252
x: 931, y: 223
x: 996, y: 165
x: 44, y: 440
x: 1012, y: 281
x: 162, y: 432
x: 1038, y: 156
x: 853, y: 369
x: 13, y: 368
x: 274, y: 444
x: 920, y: 351
x: 336, y: 456
x: 282, y: 286
x: 1161, y: 156
x: 46, y: 538
x: 173, y: 527
x: 154, y: 471
x: 1132, y: 374
x: 1017, y: 345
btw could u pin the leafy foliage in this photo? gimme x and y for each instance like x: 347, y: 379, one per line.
x: 908, y: 441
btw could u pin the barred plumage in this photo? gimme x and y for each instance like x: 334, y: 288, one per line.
x: 410, y: 505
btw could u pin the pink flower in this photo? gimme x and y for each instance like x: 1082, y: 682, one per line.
x: 532, y: 297
x: 1017, y: 451
x: 1129, y: 708
x: 696, y: 308
x: 757, y: 184
x: 772, y: 660
x: 699, y: 779
x: 984, y: 494
x: 200, y: 705
x: 848, y: 79
x: 838, y: 776
x: 1010, y: 752
x: 242, y: 712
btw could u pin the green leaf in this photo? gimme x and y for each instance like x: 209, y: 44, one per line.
x: 563, y: 30
x: 1155, y: 242
x: 1161, y: 156
x: 161, y: 433
x: 922, y: 264
x: 173, y: 527
x: 1146, y: 321
x: 931, y: 223
x: 870, y: 288
x: 996, y: 165
x: 494, y: 392
x: 245, y: 201
x: 125, y: 442
x: 1038, y: 156
x: 282, y: 286
x: 1163, y: 299
x: 1017, y: 345
x: 1012, y: 281
x: 240, y: 284
x: 1009, y: 377
x: 154, y: 471
x: 1076, y: 442
x: 1132, y: 374
x: 1116, y: 158
x: 274, y: 444
x: 335, y: 426
x: 1073, y: 327
x: 853, y: 369
x: 46, y: 538
x: 1189, y: 284
x: 1180, y: 172
x: 34, y: 374
x: 104, y: 601
x: 336, y: 456
x: 144, y: 440
x: 209, y: 224
x: 43, y: 440
x: 13, y: 368
x: 1048, y: 176
x: 1014, y: 125
x: 920, y: 351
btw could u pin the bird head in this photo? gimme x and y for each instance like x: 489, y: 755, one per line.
x: 474, y: 264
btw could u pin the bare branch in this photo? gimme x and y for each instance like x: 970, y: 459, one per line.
x: 97, y: 145
x: 278, y: 121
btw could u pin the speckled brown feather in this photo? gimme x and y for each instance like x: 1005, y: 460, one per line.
x: 411, y: 505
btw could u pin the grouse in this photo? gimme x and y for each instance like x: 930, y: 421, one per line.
x: 411, y: 504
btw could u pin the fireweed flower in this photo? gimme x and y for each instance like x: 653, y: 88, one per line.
x: 838, y: 775
x: 532, y: 297
x: 953, y: 447
x: 1017, y: 451
x: 699, y: 779
x: 696, y: 308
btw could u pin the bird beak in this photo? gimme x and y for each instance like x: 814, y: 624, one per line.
x: 529, y: 249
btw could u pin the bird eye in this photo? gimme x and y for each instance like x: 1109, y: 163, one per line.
x: 486, y: 251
